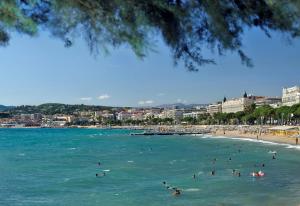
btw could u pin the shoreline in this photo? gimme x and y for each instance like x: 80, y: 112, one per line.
x: 264, y: 137
x: 254, y: 132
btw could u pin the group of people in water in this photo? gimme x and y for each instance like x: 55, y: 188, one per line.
x: 176, y: 191
x: 235, y: 172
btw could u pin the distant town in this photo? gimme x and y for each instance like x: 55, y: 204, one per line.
x: 246, y: 109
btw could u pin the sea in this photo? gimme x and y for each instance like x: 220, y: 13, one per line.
x: 43, y: 167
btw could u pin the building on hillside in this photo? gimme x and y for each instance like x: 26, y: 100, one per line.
x: 290, y: 96
x: 152, y: 113
x: 123, y: 116
x: 194, y: 115
x: 214, y: 108
x: 236, y: 105
x: 175, y: 114
x: 262, y: 101
x: 200, y: 106
x: 137, y: 116
x: 108, y: 116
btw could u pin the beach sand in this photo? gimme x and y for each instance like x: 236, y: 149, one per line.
x: 265, y: 137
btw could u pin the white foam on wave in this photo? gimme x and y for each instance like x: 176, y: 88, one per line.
x: 72, y: 148
x: 130, y: 161
x: 172, y: 162
x: 191, y: 190
x: 22, y: 154
x: 288, y: 146
x: 106, y: 170
x: 66, y: 179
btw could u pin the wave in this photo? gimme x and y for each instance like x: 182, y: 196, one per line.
x: 106, y: 170
x: 191, y: 190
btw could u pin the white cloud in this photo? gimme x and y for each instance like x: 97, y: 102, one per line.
x: 86, y: 98
x: 103, y: 97
x: 181, y: 101
x: 143, y: 102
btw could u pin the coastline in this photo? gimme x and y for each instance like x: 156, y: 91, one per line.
x: 231, y: 131
x: 265, y: 137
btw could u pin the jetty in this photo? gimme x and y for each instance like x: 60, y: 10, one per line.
x: 171, y: 132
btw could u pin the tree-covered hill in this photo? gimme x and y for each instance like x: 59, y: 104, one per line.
x: 56, y: 108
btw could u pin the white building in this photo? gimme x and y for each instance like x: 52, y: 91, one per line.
x: 290, y: 96
x: 137, y: 116
x: 175, y: 114
x: 261, y: 101
x: 122, y: 116
x: 194, y: 115
x: 214, y: 108
x: 236, y: 105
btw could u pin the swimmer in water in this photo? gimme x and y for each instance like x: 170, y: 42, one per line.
x: 194, y: 176
x: 239, y: 174
x: 103, y: 174
x: 263, y: 165
x: 273, y: 157
x: 229, y: 158
x: 99, y: 163
x: 176, y: 192
x: 233, y: 171
x: 213, y: 172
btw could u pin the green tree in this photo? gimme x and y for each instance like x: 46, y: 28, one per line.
x: 186, y: 26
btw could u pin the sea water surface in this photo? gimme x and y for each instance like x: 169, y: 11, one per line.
x: 59, y: 166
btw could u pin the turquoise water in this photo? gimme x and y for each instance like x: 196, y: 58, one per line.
x: 58, y: 167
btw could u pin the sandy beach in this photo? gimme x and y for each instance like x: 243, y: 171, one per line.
x: 265, y: 137
x: 232, y: 131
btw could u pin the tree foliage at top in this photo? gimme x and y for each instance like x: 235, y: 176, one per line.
x: 186, y: 26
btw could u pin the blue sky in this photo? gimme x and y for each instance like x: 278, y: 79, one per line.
x: 40, y: 70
